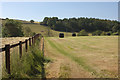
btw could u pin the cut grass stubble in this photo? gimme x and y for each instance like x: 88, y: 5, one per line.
x: 79, y: 60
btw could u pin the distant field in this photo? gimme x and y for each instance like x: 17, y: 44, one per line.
x: 44, y: 30
x: 82, y: 57
x: 12, y: 40
x: 37, y: 28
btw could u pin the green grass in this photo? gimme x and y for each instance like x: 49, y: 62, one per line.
x: 89, y: 52
x: 37, y: 28
x: 79, y: 60
x: 44, y: 30
x: 31, y: 65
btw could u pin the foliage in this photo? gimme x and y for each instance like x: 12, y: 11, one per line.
x: 82, y: 33
x: 7, y: 18
x: 12, y: 28
x: 103, y: 33
x: 109, y: 33
x: 28, y: 32
x: 77, y: 24
x: 32, y: 21
x: 97, y: 33
x: 116, y: 33
x: 29, y: 66
x: 33, y: 33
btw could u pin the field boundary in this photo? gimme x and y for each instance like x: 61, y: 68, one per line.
x: 7, y: 48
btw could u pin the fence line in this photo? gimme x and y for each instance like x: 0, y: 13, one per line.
x: 8, y: 47
x: 43, y: 46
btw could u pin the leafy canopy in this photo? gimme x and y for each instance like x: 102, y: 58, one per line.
x: 12, y: 28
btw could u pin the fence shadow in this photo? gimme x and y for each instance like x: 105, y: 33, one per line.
x: 39, y: 60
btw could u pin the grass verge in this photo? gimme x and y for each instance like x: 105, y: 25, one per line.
x: 31, y: 65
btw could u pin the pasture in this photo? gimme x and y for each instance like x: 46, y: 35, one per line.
x: 70, y: 57
x: 82, y: 57
x: 44, y: 30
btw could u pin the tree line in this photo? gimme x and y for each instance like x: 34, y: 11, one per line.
x: 14, y: 28
x: 90, y: 25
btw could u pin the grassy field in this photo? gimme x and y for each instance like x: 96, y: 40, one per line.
x: 37, y: 28
x: 71, y: 57
x: 44, y: 30
x: 82, y: 57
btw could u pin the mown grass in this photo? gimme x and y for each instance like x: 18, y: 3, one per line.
x: 31, y: 65
x: 64, y: 71
x: 79, y: 60
x: 92, y: 53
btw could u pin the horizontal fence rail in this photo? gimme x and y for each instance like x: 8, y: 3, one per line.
x: 8, y: 47
x: 2, y: 49
x: 14, y: 45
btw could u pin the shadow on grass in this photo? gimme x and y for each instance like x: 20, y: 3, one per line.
x: 40, y: 61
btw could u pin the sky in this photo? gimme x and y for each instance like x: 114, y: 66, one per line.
x: 38, y: 10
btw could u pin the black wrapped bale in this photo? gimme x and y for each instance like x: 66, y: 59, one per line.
x: 61, y: 35
x: 108, y: 34
x: 73, y: 34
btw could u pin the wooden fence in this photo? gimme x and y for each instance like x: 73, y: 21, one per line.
x: 8, y: 47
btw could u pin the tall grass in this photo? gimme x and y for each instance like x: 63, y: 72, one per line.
x: 29, y: 66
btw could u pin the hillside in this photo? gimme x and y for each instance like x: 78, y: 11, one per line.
x: 44, y: 30
x: 37, y: 28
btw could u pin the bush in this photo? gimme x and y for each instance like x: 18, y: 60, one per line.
x: 109, y: 33
x: 12, y: 28
x: 103, y: 33
x: 28, y: 32
x: 97, y: 33
x: 33, y: 33
x: 116, y: 33
x: 31, y: 21
x: 82, y: 33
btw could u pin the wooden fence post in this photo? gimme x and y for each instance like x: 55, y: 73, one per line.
x: 7, y: 56
x: 43, y: 46
x: 20, y: 48
x: 26, y: 45
x: 32, y: 40
x: 29, y: 41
